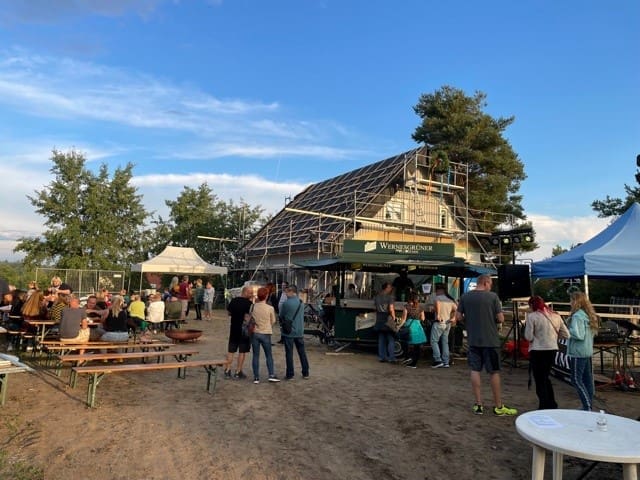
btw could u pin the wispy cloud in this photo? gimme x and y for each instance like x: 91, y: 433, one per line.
x: 49, y: 11
x: 71, y: 90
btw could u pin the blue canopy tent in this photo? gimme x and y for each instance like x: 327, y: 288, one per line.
x: 613, y: 253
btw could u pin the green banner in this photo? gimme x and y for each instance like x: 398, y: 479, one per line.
x: 419, y: 250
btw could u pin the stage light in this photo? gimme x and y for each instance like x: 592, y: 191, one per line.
x: 527, y: 238
x: 506, y: 240
x: 516, y: 239
x: 495, y: 241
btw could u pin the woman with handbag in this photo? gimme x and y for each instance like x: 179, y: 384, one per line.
x: 412, y: 318
x: 264, y: 316
x: 543, y: 328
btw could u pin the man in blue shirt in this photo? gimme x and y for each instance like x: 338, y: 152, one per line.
x: 292, y: 312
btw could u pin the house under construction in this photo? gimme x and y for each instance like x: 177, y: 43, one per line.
x: 409, y: 199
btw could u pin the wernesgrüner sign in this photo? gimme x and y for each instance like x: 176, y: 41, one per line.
x: 419, y: 250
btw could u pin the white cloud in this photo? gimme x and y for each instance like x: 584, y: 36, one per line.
x: 265, y: 150
x: 562, y: 231
x: 20, y: 220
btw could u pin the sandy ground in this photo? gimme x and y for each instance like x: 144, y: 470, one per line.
x: 353, y: 419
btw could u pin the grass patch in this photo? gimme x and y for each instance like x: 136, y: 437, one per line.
x: 18, y: 469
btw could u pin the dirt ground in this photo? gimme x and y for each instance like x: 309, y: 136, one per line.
x: 354, y: 418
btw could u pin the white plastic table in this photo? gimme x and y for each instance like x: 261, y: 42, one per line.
x: 575, y: 433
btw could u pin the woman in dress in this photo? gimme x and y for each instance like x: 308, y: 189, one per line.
x: 412, y: 318
x: 583, y: 325
x: 543, y: 328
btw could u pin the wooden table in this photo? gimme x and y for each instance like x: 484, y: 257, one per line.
x: 575, y: 433
x: 43, y: 327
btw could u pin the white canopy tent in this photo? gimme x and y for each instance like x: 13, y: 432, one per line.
x: 183, y: 260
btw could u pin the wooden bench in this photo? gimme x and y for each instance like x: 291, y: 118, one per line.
x: 97, y: 373
x: 180, y: 354
x: 54, y: 351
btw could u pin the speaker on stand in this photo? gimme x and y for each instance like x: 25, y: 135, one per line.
x: 514, y: 281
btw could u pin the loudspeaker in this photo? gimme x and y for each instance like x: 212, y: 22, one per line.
x: 513, y: 281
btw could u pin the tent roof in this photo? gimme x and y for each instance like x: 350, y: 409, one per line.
x: 614, y: 252
x: 178, y: 260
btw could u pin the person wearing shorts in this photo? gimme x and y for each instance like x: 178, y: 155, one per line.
x: 237, y: 308
x: 481, y: 311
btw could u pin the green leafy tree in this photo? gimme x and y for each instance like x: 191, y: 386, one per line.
x: 617, y: 206
x: 456, y: 124
x: 92, y: 220
x: 558, y: 250
x: 199, y: 212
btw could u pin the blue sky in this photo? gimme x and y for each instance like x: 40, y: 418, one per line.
x: 260, y: 98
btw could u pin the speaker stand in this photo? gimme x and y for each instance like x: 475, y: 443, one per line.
x: 514, y: 331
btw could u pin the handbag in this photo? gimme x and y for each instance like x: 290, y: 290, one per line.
x: 391, y: 324
x: 248, y: 324
x: 286, y: 325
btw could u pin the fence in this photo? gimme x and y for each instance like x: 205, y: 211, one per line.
x: 83, y: 282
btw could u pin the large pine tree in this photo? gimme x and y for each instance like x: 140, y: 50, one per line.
x: 456, y: 124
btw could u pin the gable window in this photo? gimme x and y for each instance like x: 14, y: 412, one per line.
x: 444, y: 218
x: 393, y: 211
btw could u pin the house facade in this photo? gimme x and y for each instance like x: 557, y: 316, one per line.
x: 408, y: 199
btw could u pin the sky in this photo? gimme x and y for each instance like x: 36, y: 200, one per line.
x: 260, y: 98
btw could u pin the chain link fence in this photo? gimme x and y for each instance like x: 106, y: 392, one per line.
x: 82, y: 282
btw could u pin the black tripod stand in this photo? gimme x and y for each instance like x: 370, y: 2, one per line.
x: 514, y: 332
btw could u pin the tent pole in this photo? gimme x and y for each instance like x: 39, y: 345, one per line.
x: 586, y: 285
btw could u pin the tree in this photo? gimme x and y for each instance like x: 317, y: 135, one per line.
x: 616, y: 206
x: 199, y: 212
x: 454, y: 123
x: 92, y: 221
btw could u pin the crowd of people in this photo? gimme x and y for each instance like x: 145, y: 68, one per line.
x: 104, y: 316
x: 113, y: 317
x: 480, y: 310
x: 265, y: 308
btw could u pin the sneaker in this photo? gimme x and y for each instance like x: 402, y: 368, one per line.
x: 256, y: 380
x: 305, y: 377
x: 437, y: 365
x: 227, y: 374
x: 504, y: 410
x: 239, y: 376
x: 274, y: 379
x: 410, y: 366
x: 477, y: 409
x: 446, y: 365
x: 406, y: 360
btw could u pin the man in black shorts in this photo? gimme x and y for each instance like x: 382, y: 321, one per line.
x: 482, y: 312
x: 237, y: 308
